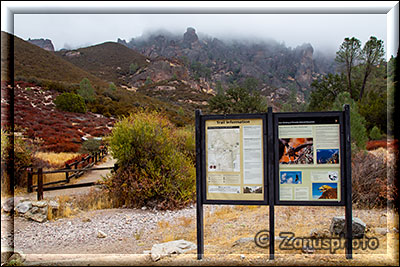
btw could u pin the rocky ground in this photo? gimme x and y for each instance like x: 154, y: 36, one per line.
x: 126, y: 236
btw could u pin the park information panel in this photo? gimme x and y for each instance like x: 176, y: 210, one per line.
x: 234, y: 158
x: 309, y: 159
x: 288, y: 158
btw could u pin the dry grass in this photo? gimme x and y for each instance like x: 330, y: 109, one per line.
x: 229, y: 223
x: 56, y: 159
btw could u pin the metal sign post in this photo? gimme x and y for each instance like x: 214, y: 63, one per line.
x: 199, y: 203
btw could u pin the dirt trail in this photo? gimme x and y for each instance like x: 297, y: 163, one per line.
x: 88, y: 177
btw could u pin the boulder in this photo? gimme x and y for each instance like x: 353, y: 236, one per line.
x: 39, y: 204
x: 37, y: 214
x: 23, y: 207
x: 338, y: 226
x: 159, y: 251
x: 9, y: 204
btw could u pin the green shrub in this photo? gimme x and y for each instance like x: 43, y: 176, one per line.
x: 23, y: 156
x: 90, y: 146
x: 154, y: 167
x: 86, y: 90
x: 375, y: 134
x: 4, y: 144
x: 70, y: 102
x: 133, y: 68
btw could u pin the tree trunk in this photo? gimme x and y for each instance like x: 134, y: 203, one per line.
x: 349, y: 82
x: 367, y: 72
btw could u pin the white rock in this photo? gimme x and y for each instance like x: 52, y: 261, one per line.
x: 23, y: 207
x: 381, y: 231
x: 101, y: 234
x: 159, y: 251
x: 39, y: 204
x: 54, y: 205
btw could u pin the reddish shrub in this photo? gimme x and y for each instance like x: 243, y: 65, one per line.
x: 387, y: 144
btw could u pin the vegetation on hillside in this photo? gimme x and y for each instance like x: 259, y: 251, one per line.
x: 70, y: 102
x: 108, y: 61
x: 363, y: 74
x: 237, y: 99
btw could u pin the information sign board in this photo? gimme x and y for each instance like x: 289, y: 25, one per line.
x: 309, y: 158
x: 234, y: 158
x: 299, y: 159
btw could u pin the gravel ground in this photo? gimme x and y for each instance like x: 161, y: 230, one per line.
x: 128, y: 231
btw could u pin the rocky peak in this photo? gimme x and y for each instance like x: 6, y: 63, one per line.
x: 46, y: 44
x: 190, y: 36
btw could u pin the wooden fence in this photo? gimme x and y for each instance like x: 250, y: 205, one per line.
x: 87, y: 164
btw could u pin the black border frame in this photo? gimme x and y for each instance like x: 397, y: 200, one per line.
x: 310, y: 116
x: 203, y: 119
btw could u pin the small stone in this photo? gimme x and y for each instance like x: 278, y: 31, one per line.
x: 159, y: 251
x: 86, y: 219
x: 36, y: 217
x: 381, y: 231
x: 23, y: 207
x: 144, y: 208
x: 39, y: 204
x: 54, y: 205
x: 101, y: 234
x: 242, y: 257
x: 243, y: 240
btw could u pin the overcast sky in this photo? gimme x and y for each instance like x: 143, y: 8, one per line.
x: 325, y: 32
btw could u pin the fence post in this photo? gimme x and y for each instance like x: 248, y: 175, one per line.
x: 67, y: 173
x: 30, y: 180
x: 40, y: 184
x: 95, y: 157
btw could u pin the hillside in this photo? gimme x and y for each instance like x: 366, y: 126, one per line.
x: 51, y: 72
x: 31, y: 61
x: 271, y: 66
x: 167, y: 80
x: 108, y: 61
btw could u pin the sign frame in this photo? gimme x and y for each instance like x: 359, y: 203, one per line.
x: 322, y: 117
x: 203, y: 129
x: 271, y: 171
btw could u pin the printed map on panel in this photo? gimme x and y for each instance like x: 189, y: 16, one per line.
x: 223, y: 149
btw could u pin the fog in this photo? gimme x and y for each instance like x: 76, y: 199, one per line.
x: 325, y: 32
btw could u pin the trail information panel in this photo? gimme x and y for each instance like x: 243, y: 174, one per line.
x: 234, y: 159
x: 274, y: 159
x: 309, y: 160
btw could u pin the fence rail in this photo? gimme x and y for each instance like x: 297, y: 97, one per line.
x: 90, y: 160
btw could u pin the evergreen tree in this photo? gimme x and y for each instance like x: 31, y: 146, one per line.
x: 86, y: 90
x: 349, y: 52
x: 371, y: 55
x: 358, y: 131
x: 237, y: 100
